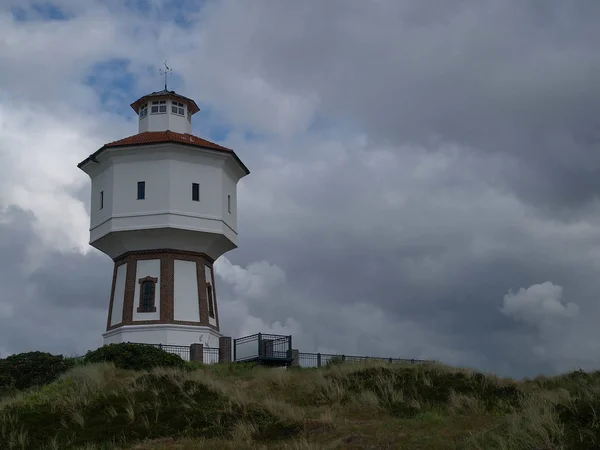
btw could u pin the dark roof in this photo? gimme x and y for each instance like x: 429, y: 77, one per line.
x: 159, y: 137
x: 192, y: 106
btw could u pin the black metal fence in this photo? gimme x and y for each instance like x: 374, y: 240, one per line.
x: 262, y: 346
x: 324, y: 359
x: 181, y: 350
x: 271, y: 346
x: 211, y: 355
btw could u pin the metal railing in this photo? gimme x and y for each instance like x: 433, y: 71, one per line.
x: 271, y: 346
x: 182, y: 350
x: 262, y: 346
x: 210, y: 356
x: 323, y: 359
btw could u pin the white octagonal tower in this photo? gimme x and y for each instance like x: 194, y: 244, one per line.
x: 164, y: 208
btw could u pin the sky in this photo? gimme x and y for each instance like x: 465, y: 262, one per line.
x: 424, y: 174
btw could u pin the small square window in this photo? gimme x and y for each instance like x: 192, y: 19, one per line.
x: 159, y: 106
x: 195, y: 192
x: 177, y: 108
x: 101, y: 199
x: 229, y: 203
x: 141, y: 190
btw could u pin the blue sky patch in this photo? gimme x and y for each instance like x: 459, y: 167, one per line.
x: 207, y: 119
x: 178, y: 11
x: 250, y: 135
x: 45, y: 11
x: 114, y: 84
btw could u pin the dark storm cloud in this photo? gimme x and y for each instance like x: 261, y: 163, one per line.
x: 443, y: 258
x: 76, y: 280
x: 58, y: 305
x: 519, y: 78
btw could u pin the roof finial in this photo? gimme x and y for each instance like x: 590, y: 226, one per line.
x: 166, y: 72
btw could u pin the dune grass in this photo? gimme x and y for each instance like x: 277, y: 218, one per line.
x: 347, y: 406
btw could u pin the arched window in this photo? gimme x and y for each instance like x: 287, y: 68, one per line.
x: 147, y: 295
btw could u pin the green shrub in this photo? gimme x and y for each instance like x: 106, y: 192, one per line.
x: 432, y: 388
x: 150, y: 407
x: 7, y: 383
x: 581, y: 421
x: 25, y: 370
x: 130, y: 356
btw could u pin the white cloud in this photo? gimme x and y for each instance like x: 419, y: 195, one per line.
x: 256, y: 281
x: 38, y: 171
x: 538, y: 304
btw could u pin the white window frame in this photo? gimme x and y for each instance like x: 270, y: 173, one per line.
x: 143, y: 111
x: 177, y: 108
x: 159, y: 107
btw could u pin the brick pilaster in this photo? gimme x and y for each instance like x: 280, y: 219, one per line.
x: 225, y: 355
x: 197, y: 352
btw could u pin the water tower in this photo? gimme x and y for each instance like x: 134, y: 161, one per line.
x: 164, y: 208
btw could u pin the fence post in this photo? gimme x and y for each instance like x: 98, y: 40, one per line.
x: 344, y: 358
x: 160, y: 346
x: 295, y: 358
x: 259, y: 345
x: 225, y: 349
x: 197, y: 352
x: 290, y: 343
x: 318, y: 360
x: 390, y: 360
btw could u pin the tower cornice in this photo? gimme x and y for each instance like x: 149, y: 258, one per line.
x: 163, y: 137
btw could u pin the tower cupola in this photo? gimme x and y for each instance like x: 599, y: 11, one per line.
x: 165, y: 110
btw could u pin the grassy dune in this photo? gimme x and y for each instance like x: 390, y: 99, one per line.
x: 347, y: 406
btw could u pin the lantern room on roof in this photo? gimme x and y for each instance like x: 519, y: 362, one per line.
x: 165, y: 110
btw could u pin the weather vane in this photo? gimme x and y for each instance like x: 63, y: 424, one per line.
x: 166, y: 72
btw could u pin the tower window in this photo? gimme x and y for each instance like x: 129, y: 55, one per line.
x: 189, y: 116
x: 177, y: 108
x: 141, y: 192
x: 195, y: 192
x: 144, y: 111
x: 229, y: 203
x: 147, y: 302
x: 210, y: 299
x: 101, y: 199
x: 159, y: 107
